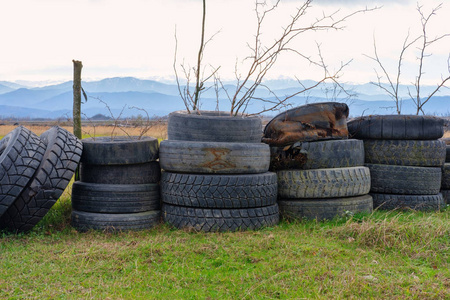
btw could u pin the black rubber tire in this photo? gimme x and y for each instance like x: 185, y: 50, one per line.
x: 58, y: 164
x: 323, y: 183
x: 445, y: 183
x: 214, y: 126
x: 220, y: 220
x: 121, y: 150
x: 446, y: 196
x: 219, y: 191
x: 421, y: 153
x: 84, y: 221
x: 396, y: 127
x: 21, y: 153
x: 324, y: 209
x: 318, y: 155
x: 447, y: 153
x: 115, y: 198
x: 121, y: 174
x: 405, y: 180
x: 416, y: 202
x: 214, y: 157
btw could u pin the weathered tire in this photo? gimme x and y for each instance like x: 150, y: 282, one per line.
x: 421, y: 153
x: 323, y: 183
x: 324, y: 209
x: 445, y: 183
x: 84, y: 221
x: 219, y: 191
x: 214, y: 157
x: 446, y: 196
x: 318, y: 155
x: 214, y: 126
x: 149, y: 172
x: 121, y: 150
x: 58, y: 164
x: 209, y: 220
x: 396, y: 127
x: 391, y: 179
x: 416, y: 202
x: 21, y: 153
x: 115, y: 198
x: 447, y: 153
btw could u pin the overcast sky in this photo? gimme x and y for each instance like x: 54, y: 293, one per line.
x: 136, y: 37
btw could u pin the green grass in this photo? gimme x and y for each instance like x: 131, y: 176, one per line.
x: 386, y: 255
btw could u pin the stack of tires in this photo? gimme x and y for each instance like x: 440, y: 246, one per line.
x: 405, y: 158
x: 322, y: 179
x: 445, y: 185
x: 34, y: 172
x: 216, y: 173
x: 119, y: 185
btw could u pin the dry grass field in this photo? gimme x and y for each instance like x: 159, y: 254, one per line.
x: 157, y: 129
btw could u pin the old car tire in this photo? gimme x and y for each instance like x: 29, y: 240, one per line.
x: 396, y: 127
x: 214, y: 126
x: 211, y: 220
x: 391, y: 179
x: 84, y: 221
x: 58, y: 164
x: 149, y: 172
x: 115, y: 198
x: 219, y: 191
x: 214, y: 157
x: 422, y: 153
x: 119, y: 150
x: 21, y: 153
x: 445, y: 183
x: 324, y: 209
x: 318, y: 155
x: 323, y: 183
x: 416, y: 202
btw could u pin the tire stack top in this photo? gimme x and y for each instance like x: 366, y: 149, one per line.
x: 405, y: 158
x: 445, y: 184
x: 321, y: 179
x: 119, y: 185
x: 34, y: 172
x: 215, y: 173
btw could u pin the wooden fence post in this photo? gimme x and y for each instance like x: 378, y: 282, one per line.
x: 77, y: 66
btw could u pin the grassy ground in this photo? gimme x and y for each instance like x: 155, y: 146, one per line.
x: 385, y: 255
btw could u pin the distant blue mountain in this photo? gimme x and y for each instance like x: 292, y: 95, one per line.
x: 122, y: 94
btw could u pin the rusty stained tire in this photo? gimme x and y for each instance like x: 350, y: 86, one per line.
x: 420, y: 153
x: 220, y: 220
x: 324, y: 209
x: 21, y: 153
x: 120, y: 150
x: 416, y: 202
x: 318, y: 155
x: 323, y: 183
x: 396, y: 127
x: 391, y: 179
x: 214, y: 126
x: 214, y: 157
x: 58, y: 164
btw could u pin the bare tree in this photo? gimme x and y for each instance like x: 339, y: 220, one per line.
x: 394, y: 81
x: 191, y: 98
x: 263, y: 57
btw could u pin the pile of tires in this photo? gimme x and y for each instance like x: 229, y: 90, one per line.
x: 215, y: 173
x: 322, y: 179
x: 405, y: 158
x: 34, y: 172
x: 119, y: 185
x: 445, y: 185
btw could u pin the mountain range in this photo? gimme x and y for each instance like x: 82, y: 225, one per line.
x: 127, y: 96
